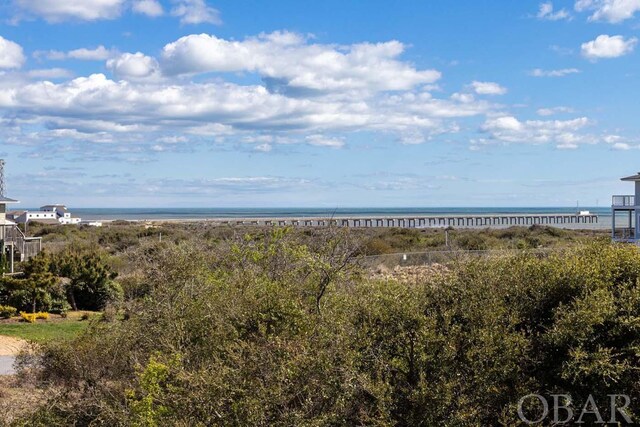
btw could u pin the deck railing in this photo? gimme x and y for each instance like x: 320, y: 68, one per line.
x: 624, y: 234
x: 623, y: 201
x: 28, y: 247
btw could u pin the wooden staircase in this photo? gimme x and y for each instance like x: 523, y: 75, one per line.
x: 18, y: 247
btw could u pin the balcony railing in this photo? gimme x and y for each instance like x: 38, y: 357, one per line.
x: 624, y: 234
x: 623, y: 201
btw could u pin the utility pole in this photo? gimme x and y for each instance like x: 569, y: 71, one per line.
x: 2, y: 184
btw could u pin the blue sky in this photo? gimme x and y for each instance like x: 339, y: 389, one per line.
x: 137, y: 103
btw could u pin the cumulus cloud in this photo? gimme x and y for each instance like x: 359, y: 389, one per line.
x: 144, y: 110
x: 148, y: 7
x: 605, y: 46
x: 306, y: 93
x: 554, y: 110
x: 547, y: 13
x: 99, y: 53
x: 612, y: 139
x: 488, y: 88
x: 290, y: 65
x: 64, y: 10
x: 622, y: 146
x: 50, y: 73
x: 134, y: 66
x: 619, y: 143
x: 538, y: 72
x: 612, y: 11
x: 323, y: 141
x: 57, y: 11
x: 195, y: 12
x: 263, y: 148
x: 11, y: 54
x: 564, y: 133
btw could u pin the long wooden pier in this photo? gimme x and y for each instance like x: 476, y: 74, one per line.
x: 459, y: 221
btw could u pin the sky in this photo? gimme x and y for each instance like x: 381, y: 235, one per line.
x: 203, y: 103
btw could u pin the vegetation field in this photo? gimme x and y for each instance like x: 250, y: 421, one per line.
x: 288, y: 327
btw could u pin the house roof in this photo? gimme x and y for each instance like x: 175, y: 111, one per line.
x: 4, y: 200
x: 632, y: 177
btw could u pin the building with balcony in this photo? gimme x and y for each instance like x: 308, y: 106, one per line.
x: 14, y: 245
x: 48, y: 214
x: 625, y: 221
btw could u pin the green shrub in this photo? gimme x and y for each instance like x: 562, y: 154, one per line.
x: 471, y: 242
x: 274, y: 332
x: 6, y: 311
x: 59, y: 306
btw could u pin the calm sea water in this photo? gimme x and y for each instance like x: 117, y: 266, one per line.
x: 212, y: 213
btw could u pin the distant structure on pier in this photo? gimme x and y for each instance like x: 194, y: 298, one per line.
x: 14, y: 245
x: 625, y: 210
x: 48, y: 214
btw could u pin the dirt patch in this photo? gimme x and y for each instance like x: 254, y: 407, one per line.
x: 10, y: 346
x: 409, y: 274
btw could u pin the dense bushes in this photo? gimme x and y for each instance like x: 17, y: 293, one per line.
x: 55, y: 283
x: 272, y: 332
x: 6, y: 311
x: 90, y: 283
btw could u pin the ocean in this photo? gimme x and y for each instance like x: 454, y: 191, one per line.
x: 132, y: 214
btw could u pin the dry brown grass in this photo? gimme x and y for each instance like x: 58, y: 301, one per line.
x: 17, y: 398
x: 409, y: 274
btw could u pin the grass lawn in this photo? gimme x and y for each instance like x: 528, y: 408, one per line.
x: 46, y: 330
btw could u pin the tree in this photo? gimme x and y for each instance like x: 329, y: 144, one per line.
x: 39, y: 281
x: 90, y: 284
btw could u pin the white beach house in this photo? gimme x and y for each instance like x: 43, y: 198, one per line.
x: 625, y: 221
x: 54, y: 214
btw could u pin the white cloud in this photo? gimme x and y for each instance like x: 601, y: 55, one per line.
x: 538, y: 72
x: 612, y: 11
x: 622, y: 146
x: 612, y: 139
x: 134, y: 66
x: 99, y: 53
x: 463, y: 97
x: 605, y: 46
x: 323, y: 141
x: 618, y: 143
x: 50, y: 73
x: 220, y: 109
x: 64, y: 10
x: 564, y: 133
x: 554, y: 110
x: 488, y: 88
x: 195, y: 12
x: 546, y: 13
x: 11, y: 54
x: 264, y: 148
x: 290, y: 65
x: 148, y: 7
